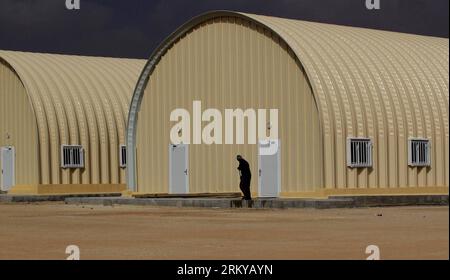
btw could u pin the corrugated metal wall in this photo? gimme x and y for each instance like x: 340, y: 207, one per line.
x: 366, y: 83
x: 383, y: 85
x: 77, y: 101
x: 229, y: 63
x: 18, y: 125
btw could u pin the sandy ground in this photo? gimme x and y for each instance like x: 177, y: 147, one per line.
x: 43, y: 231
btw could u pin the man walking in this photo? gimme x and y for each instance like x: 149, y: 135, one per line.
x: 246, y: 177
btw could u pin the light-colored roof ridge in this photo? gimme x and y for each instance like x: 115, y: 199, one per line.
x: 71, y: 55
x: 344, y: 26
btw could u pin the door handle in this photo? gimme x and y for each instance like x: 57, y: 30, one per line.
x: 260, y: 171
x: 186, y: 172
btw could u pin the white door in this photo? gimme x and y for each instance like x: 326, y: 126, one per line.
x: 178, y: 169
x: 269, y: 160
x: 7, y: 165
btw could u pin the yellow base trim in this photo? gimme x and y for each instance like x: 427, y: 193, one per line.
x: 325, y: 193
x: 23, y: 189
x: 128, y: 193
x: 67, y: 189
x: 371, y: 191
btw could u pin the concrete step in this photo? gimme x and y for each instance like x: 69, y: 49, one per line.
x: 49, y: 198
x: 218, y: 203
x: 224, y: 202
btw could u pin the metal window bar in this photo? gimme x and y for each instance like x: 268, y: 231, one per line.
x: 419, y: 152
x: 359, y: 152
x: 123, y: 156
x: 72, y: 156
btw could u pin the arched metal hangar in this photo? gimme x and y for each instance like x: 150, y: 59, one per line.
x: 63, y: 121
x: 360, y: 111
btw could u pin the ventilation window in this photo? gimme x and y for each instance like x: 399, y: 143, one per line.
x: 72, y: 156
x: 359, y: 152
x: 419, y: 152
x: 123, y: 156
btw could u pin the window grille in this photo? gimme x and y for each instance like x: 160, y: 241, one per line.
x: 123, y: 156
x: 359, y: 152
x: 419, y: 152
x: 72, y: 156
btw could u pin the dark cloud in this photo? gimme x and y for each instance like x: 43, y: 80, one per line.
x: 133, y: 28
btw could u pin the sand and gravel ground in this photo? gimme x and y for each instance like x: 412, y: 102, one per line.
x: 43, y: 231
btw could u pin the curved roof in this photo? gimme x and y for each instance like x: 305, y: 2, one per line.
x: 365, y: 82
x: 77, y: 100
x: 396, y: 75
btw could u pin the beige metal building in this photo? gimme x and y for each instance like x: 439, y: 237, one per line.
x: 360, y: 111
x: 63, y: 121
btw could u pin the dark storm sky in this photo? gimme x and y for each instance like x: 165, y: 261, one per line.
x: 132, y: 28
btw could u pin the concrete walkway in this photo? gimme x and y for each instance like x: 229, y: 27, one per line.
x: 334, y: 202
x: 43, y: 198
x: 215, y: 202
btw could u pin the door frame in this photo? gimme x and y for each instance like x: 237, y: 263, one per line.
x: 186, y: 164
x: 278, y: 153
x: 13, y: 167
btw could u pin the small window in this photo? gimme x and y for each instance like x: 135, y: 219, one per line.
x: 72, y: 156
x: 359, y: 152
x: 123, y: 156
x: 419, y: 152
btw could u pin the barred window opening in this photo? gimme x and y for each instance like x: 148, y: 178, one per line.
x: 359, y: 152
x: 123, y: 156
x: 72, y: 156
x: 419, y: 152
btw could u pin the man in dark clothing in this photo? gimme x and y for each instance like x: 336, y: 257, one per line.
x: 246, y: 177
